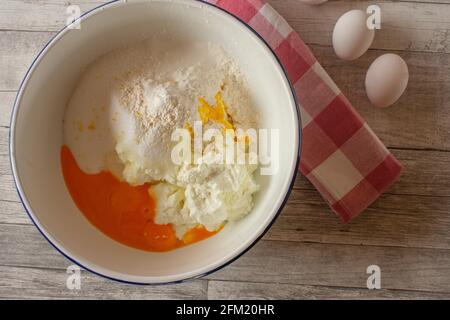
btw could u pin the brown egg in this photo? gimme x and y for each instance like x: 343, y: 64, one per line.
x: 386, y: 80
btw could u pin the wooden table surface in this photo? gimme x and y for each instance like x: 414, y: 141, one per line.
x: 308, y: 253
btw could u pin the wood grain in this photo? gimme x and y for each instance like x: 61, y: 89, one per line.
x: 12, y: 212
x: 39, y: 15
x: 394, y: 220
x: 219, y: 290
x: 308, y: 253
x: 36, y: 283
x: 6, y: 104
x: 405, y: 25
x: 278, y: 262
x: 17, y: 52
x: 341, y: 266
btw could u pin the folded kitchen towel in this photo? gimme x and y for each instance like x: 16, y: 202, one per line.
x: 341, y: 155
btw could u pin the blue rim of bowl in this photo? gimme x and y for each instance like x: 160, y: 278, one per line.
x: 240, y: 254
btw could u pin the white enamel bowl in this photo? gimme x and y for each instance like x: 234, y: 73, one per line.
x: 37, y: 136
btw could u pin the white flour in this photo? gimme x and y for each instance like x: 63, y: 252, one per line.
x: 163, y: 97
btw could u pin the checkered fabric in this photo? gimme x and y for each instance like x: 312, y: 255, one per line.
x: 341, y: 155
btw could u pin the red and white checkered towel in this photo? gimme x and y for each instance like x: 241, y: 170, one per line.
x: 341, y: 155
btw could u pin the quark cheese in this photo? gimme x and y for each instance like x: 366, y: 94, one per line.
x: 208, y: 194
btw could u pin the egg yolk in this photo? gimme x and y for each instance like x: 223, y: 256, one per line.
x: 217, y: 113
x: 124, y: 213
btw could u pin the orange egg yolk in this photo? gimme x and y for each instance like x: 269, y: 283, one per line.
x: 124, y: 213
x: 217, y: 113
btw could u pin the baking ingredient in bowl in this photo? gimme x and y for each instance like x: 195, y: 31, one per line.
x: 191, y: 194
x: 123, y: 212
x: 210, y: 193
x: 121, y: 117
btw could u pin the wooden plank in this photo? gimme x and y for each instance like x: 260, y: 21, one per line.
x: 405, y: 25
x: 6, y: 104
x: 393, y: 220
x: 35, y: 283
x: 8, y: 190
x: 341, y: 266
x: 39, y: 15
x: 223, y: 290
x: 17, y: 52
x: 419, y: 120
x: 425, y: 173
x: 278, y: 262
x: 12, y: 212
x: 4, y: 141
x: 28, y: 248
x: 422, y: 1
x: 5, y: 166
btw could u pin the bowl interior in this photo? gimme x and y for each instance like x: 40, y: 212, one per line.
x: 37, y: 135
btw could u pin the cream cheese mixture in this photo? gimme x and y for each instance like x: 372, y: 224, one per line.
x: 125, y: 108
